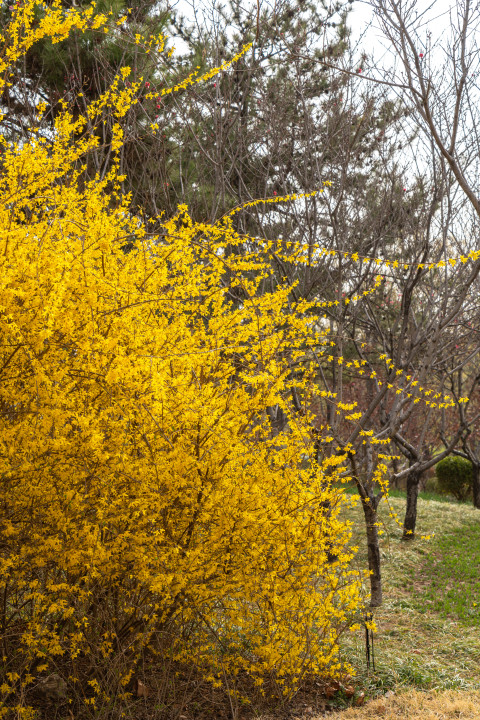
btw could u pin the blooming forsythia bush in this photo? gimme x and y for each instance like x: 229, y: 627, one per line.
x: 143, y: 494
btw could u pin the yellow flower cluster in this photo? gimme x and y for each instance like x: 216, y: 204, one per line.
x: 195, y: 78
x: 25, y: 29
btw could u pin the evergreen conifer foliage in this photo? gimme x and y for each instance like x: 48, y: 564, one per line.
x: 454, y: 475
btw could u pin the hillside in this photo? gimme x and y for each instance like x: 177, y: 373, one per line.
x: 428, y: 634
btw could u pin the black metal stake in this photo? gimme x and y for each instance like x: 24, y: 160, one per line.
x: 369, y: 642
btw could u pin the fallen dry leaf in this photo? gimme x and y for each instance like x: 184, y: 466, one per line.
x: 141, y: 689
x: 360, y: 699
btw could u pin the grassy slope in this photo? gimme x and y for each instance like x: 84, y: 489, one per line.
x: 429, y: 626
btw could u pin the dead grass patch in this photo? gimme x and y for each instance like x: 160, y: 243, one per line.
x: 415, y: 705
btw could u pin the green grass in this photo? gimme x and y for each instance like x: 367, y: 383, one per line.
x: 428, y: 626
x: 424, y: 495
x: 450, y: 575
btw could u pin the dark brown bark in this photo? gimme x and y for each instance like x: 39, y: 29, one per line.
x: 371, y: 521
x: 413, y: 480
x: 476, y: 485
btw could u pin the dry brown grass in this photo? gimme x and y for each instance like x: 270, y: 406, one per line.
x: 415, y: 705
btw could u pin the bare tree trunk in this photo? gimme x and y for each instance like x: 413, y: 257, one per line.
x: 476, y: 485
x: 371, y: 520
x: 395, y: 467
x: 369, y: 505
x: 277, y: 418
x: 413, y: 479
